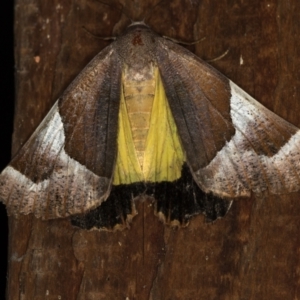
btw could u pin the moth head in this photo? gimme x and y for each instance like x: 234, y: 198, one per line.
x: 138, y: 27
x: 136, y: 46
x: 138, y: 23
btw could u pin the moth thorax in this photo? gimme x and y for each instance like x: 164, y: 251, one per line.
x: 139, y: 96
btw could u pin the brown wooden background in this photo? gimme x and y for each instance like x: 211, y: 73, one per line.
x: 6, y: 120
x: 253, y: 253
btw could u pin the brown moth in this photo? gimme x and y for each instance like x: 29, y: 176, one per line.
x: 148, y: 116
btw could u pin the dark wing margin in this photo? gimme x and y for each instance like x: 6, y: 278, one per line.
x: 175, y: 204
x: 66, y: 166
x: 234, y: 145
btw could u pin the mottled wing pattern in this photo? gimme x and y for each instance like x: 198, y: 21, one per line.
x: 263, y: 156
x: 234, y: 145
x: 65, y: 168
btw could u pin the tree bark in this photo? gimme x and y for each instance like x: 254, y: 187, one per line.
x: 252, y: 253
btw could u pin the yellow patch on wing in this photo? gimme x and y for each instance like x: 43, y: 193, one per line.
x: 162, y: 157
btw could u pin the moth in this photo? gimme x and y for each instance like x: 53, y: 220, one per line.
x: 146, y: 116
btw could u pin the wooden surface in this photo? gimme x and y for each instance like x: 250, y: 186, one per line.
x: 252, y: 253
x: 6, y: 122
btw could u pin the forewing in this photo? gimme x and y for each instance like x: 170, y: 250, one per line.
x: 233, y: 144
x: 66, y: 166
x: 263, y: 156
